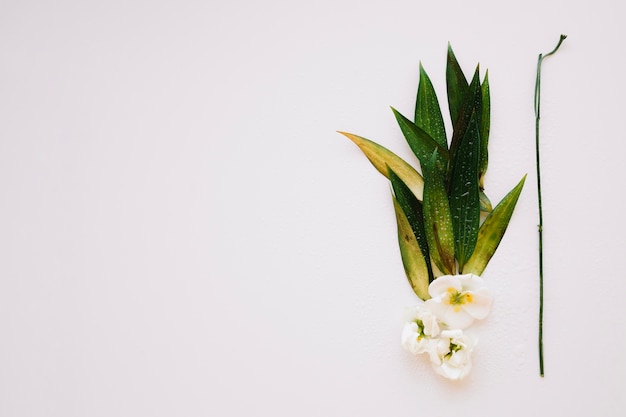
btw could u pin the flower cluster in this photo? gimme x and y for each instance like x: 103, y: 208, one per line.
x: 437, y: 326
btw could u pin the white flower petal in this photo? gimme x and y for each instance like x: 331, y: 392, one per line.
x: 414, y: 312
x: 431, y: 325
x: 453, y: 373
x: 458, y: 358
x: 459, y: 319
x: 408, y: 331
x: 441, y: 285
x: 436, y: 307
x: 413, y: 341
x: 453, y: 334
x: 478, y: 304
x: 452, y: 356
x: 408, y: 339
x: 453, y: 316
x: 438, y: 350
x: 471, y: 282
x: 419, y: 330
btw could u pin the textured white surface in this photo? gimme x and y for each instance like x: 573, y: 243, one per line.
x: 182, y: 232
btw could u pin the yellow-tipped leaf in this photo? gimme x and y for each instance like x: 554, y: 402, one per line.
x: 383, y: 159
x: 412, y: 258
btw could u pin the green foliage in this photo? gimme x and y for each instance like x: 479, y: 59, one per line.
x: 438, y: 211
x: 420, y: 142
x: 463, y: 195
x: 427, y: 112
x: 383, y: 159
x: 412, y: 209
x: 438, y: 220
x: 456, y: 84
x: 413, y: 260
x: 492, y: 230
x: 484, y: 131
x: 471, y: 108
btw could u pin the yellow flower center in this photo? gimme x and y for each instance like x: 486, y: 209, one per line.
x: 458, y: 298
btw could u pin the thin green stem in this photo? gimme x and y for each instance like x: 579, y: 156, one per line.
x: 540, y: 227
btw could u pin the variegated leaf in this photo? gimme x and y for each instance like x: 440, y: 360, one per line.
x: 382, y: 158
x: 413, y: 211
x: 412, y: 258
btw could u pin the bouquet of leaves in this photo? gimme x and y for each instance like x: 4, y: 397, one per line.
x: 447, y: 228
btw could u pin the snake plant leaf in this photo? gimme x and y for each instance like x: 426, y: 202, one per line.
x: 382, y: 158
x: 484, y: 131
x: 427, y: 111
x: 420, y: 142
x: 412, y: 259
x: 464, y: 195
x: 438, y: 220
x: 472, y: 103
x: 492, y: 231
x: 412, y: 209
x: 456, y: 84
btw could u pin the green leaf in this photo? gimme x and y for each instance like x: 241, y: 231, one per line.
x: 464, y: 196
x: 438, y: 220
x: 456, y: 84
x: 412, y: 209
x: 427, y: 111
x: 484, y: 131
x: 472, y: 104
x: 420, y: 142
x: 492, y: 230
x: 412, y: 259
x: 382, y: 158
x: 485, y: 203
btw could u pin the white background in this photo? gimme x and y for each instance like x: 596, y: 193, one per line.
x: 183, y: 233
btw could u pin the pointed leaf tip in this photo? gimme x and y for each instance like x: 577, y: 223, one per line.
x: 420, y: 142
x: 427, y: 111
x: 456, y: 84
x: 381, y: 158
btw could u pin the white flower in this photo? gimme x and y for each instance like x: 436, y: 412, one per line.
x: 419, y: 330
x: 458, y: 300
x: 451, y: 355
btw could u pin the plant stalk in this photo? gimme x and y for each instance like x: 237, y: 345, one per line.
x: 540, y: 226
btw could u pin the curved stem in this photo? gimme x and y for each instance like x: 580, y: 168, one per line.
x: 540, y: 227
